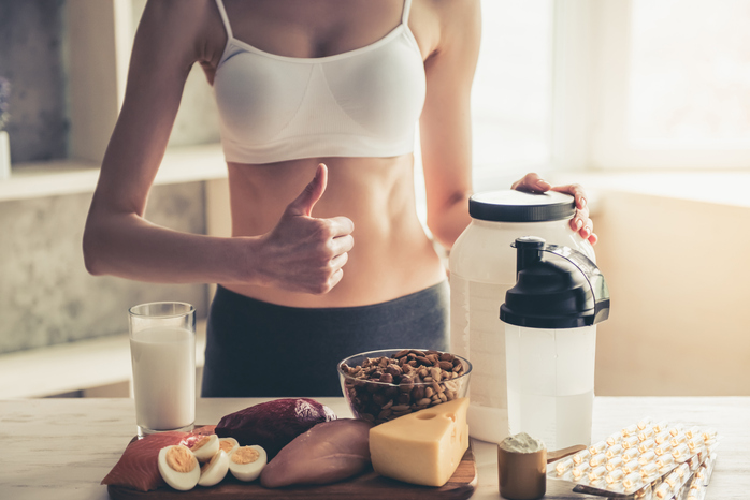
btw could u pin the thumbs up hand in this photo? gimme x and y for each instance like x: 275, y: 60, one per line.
x: 302, y: 253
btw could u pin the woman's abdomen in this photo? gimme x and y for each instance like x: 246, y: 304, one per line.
x: 392, y: 256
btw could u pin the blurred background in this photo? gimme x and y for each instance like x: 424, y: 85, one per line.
x: 644, y: 102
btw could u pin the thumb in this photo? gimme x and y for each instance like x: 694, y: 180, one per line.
x: 305, y: 202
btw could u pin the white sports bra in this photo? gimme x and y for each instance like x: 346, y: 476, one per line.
x: 361, y: 103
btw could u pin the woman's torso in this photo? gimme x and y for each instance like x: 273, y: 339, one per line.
x: 392, y: 256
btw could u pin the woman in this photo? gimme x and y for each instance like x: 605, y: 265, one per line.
x: 318, y: 102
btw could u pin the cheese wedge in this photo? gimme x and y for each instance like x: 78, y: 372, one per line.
x: 424, y: 447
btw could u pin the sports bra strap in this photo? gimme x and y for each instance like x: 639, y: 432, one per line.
x: 225, y: 18
x: 405, y: 17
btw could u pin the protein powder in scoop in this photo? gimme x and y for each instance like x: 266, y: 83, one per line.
x: 521, y: 466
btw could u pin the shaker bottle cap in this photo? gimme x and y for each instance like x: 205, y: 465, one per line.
x: 517, y: 206
x: 564, y: 291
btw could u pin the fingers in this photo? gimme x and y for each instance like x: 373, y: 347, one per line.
x: 581, y: 223
x: 577, y: 191
x: 581, y: 219
x: 337, y: 263
x: 340, y: 226
x: 337, y: 253
x: 531, y: 183
x: 333, y: 274
x: 304, y: 203
x: 335, y: 279
x: 341, y: 244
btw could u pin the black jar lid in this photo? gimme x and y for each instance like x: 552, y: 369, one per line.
x: 517, y: 206
x: 554, y: 292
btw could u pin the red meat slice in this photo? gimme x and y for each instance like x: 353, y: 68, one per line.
x: 137, y: 468
x: 273, y: 424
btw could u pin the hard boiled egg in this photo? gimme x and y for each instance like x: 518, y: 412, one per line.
x: 205, y: 447
x: 214, y: 470
x: 246, y: 462
x: 228, y: 445
x: 178, y: 467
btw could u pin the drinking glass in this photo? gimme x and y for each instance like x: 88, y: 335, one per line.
x: 162, y: 351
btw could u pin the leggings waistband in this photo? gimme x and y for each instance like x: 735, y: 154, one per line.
x: 254, y: 348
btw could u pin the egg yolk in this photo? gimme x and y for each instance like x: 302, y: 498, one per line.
x: 180, y: 459
x: 199, y: 444
x: 244, y: 456
x: 225, y: 446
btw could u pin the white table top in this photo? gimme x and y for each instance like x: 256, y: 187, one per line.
x: 62, y: 448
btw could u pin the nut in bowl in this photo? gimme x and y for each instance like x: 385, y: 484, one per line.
x: 382, y: 385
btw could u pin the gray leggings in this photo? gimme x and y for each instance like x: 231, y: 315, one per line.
x: 257, y: 349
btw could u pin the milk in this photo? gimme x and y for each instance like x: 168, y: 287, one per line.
x: 163, y: 377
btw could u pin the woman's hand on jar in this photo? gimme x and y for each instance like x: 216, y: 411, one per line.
x: 302, y: 253
x: 580, y: 222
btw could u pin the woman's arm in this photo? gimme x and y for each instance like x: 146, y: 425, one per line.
x: 445, y: 124
x: 445, y: 128
x: 301, y: 253
x: 118, y: 240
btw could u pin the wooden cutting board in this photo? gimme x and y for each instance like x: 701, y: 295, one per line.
x: 368, y: 486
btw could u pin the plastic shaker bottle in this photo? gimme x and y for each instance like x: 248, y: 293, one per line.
x: 550, y: 319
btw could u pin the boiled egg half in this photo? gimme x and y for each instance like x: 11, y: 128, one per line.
x: 246, y: 462
x: 205, y: 448
x: 228, y: 445
x: 178, y: 467
x: 214, y: 470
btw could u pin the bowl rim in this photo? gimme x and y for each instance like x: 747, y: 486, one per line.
x: 373, y: 354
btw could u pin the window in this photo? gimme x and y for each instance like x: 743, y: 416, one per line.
x: 674, y: 84
x: 690, y: 74
x: 611, y: 84
x: 511, y: 98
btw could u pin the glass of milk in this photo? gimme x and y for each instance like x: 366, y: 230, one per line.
x: 162, y: 351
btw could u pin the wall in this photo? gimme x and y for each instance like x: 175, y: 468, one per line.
x: 67, y: 60
x: 679, y: 277
x: 47, y: 296
x: 31, y: 46
x: 60, y: 106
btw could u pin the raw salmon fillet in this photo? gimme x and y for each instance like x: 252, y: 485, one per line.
x: 137, y: 468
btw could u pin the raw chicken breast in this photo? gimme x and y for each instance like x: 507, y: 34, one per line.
x: 326, y: 453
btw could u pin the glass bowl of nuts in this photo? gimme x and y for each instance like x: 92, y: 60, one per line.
x: 382, y: 385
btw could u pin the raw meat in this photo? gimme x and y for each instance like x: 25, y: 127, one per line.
x: 327, y: 453
x: 273, y: 424
x: 137, y: 468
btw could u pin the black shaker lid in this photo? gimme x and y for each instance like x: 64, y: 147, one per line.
x: 562, y: 291
x: 518, y: 206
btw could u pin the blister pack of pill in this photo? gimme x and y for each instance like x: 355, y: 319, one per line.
x: 647, y: 460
